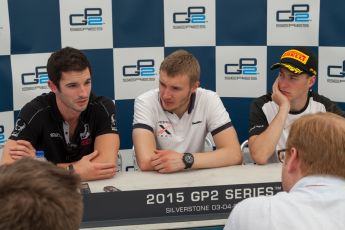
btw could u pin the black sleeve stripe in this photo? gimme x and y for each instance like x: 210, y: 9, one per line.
x: 221, y: 128
x: 143, y: 126
x: 106, y: 132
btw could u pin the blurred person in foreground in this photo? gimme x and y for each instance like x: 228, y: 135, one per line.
x: 38, y: 195
x: 313, y: 179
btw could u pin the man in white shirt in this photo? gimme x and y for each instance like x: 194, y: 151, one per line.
x: 313, y: 179
x: 171, y: 123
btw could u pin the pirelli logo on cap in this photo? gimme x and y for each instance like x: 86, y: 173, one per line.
x: 297, y: 55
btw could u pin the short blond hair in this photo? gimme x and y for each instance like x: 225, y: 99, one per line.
x: 181, y: 62
x: 320, y: 141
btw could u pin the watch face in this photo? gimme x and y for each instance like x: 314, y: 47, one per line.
x: 189, y: 158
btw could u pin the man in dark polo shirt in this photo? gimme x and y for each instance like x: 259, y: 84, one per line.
x: 75, y: 128
x: 271, y: 115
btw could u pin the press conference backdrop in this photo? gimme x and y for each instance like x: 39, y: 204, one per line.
x: 235, y: 41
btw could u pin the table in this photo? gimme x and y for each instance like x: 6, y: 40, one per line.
x: 150, y: 200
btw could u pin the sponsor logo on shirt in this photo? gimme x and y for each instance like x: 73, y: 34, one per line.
x: 196, y: 122
x: 256, y: 127
x: 164, y: 129
x: 113, y: 122
x: 85, y: 136
x: 19, y: 127
x: 86, y: 133
x: 85, y: 142
x: 55, y: 135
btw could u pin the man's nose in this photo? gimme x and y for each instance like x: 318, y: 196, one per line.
x: 166, y: 94
x: 83, y: 92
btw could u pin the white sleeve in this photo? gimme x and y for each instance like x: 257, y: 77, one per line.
x: 217, y: 116
x: 234, y: 220
x: 250, y: 214
x: 143, y: 113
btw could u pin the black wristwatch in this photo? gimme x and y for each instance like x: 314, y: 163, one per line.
x: 188, y: 160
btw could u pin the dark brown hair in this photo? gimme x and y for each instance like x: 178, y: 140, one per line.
x: 64, y: 60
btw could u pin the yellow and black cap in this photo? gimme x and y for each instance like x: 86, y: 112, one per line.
x: 298, y: 60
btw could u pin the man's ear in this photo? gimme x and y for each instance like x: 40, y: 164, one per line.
x: 292, y: 161
x: 311, y: 81
x: 52, y: 86
x: 195, y: 86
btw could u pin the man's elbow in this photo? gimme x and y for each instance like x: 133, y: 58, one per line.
x: 145, y: 166
x: 238, y: 158
x: 259, y: 158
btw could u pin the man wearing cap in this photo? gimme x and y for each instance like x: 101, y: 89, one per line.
x: 272, y: 114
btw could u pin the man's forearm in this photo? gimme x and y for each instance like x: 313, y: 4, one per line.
x: 263, y: 145
x: 218, y: 158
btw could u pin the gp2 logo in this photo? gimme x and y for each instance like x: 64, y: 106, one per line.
x: 336, y: 71
x: 40, y: 76
x: 246, y: 66
x: 194, y: 15
x: 298, y: 13
x: 90, y: 17
x: 2, y: 135
x: 144, y: 68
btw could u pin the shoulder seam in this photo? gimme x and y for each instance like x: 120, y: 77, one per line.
x: 105, y: 109
x: 38, y: 111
